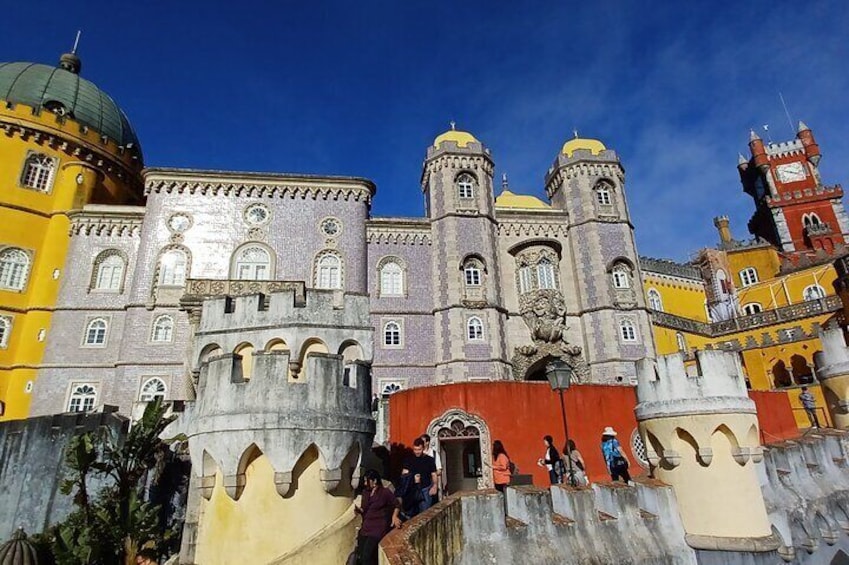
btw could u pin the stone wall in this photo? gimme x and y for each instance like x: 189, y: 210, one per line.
x: 32, y: 455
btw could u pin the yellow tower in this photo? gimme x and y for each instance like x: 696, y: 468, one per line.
x: 701, y: 433
x: 63, y: 143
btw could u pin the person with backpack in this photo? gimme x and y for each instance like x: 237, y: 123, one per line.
x: 551, y: 461
x: 578, y: 468
x: 502, y: 467
x: 617, y: 462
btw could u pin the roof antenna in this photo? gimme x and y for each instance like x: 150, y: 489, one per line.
x: 787, y: 113
x: 76, y: 42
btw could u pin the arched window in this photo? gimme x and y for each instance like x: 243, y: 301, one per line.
x: 472, y: 271
x: 109, y: 271
x: 813, y: 292
x: 474, y: 329
x: 152, y: 389
x: 14, y: 268
x: 466, y: 186
x: 392, y: 334
x: 253, y: 263
x: 748, y: 276
x: 38, y: 172
x: 163, y: 329
x: 526, y: 279
x: 621, y: 276
x: 603, y: 194
x: 655, y: 302
x: 82, y: 398
x: 627, y: 331
x: 173, y: 267
x: 391, y: 279
x: 682, y: 343
x: 752, y: 308
x: 329, y: 271
x: 545, y: 274
x: 810, y: 219
x: 5, y: 330
x: 95, y: 332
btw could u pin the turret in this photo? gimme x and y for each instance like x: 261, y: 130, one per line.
x: 701, y: 436
x: 812, y: 149
x: 756, y: 146
x: 832, y: 368
x: 722, y: 224
x: 278, y: 428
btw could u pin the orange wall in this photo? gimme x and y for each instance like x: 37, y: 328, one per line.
x: 775, y: 416
x: 520, y: 414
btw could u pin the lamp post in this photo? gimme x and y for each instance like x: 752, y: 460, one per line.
x: 559, y: 375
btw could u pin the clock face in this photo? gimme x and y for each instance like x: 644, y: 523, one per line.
x: 791, y: 172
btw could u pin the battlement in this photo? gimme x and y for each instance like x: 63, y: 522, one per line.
x: 784, y: 148
x: 833, y: 360
x: 572, y: 524
x: 665, y: 387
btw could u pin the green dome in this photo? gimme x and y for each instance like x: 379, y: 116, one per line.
x: 61, y: 90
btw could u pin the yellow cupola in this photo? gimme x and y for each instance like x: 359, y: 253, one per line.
x: 594, y: 146
x: 461, y: 138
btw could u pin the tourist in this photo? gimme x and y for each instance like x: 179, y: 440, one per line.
x: 501, y: 466
x: 380, y: 512
x: 551, y: 461
x: 423, y: 470
x: 617, y: 462
x: 576, y: 467
x: 146, y: 556
x: 809, y: 403
x: 375, y: 403
x: 432, y: 450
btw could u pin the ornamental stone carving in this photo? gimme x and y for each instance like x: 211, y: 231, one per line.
x: 544, y: 312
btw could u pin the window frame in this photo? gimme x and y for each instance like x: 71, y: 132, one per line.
x: 751, y: 308
x: 466, y: 184
x: 748, y: 277
x: 391, y: 284
x: 627, y: 331
x: 654, y: 299
x: 238, y: 262
x: 163, y: 269
x: 621, y: 276
x: 816, y: 286
x: 9, y: 275
x: 155, y: 326
x: 526, y: 279
x: 472, y: 273
x: 83, y: 397
x: 474, y: 329
x: 384, y: 334
x: 321, y: 269
x: 100, y: 262
x: 88, y: 330
x: 604, y: 196
x: 152, y: 381
x: 48, y: 164
x: 681, y: 342
x: 6, y: 324
x: 545, y: 266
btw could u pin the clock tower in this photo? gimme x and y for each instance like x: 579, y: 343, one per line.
x: 794, y: 210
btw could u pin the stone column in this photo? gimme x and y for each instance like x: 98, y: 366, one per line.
x: 701, y: 436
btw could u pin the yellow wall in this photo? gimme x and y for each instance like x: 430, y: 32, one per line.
x: 774, y: 293
x: 679, y: 297
x: 763, y: 259
x: 307, y: 527
x: 37, y: 222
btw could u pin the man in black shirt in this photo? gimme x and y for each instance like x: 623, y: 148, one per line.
x: 423, y: 469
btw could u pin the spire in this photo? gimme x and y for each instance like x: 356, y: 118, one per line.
x: 753, y: 136
x: 741, y: 160
x: 504, y: 185
x: 802, y: 126
x: 70, y: 61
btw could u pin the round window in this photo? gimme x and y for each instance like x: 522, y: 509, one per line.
x: 179, y: 223
x: 331, y: 227
x: 257, y: 214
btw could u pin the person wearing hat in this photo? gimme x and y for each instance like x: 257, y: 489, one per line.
x: 617, y: 462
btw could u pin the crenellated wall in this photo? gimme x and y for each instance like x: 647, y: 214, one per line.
x: 276, y: 434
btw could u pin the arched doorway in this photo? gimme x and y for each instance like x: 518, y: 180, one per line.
x: 465, y: 448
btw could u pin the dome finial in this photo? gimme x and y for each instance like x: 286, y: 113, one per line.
x: 453, y: 125
x: 575, y: 132
x: 69, y: 61
x: 504, y: 185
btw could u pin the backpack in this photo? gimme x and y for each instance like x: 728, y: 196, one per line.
x: 513, y: 468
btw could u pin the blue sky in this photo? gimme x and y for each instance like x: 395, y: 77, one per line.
x: 362, y: 88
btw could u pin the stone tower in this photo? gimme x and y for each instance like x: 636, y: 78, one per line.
x: 702, y: 437
x: 278, y: 428
x: 588, y: 182
x: 469, y: 314
x: 832, y: 365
